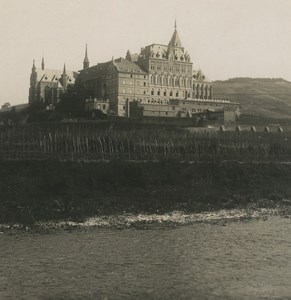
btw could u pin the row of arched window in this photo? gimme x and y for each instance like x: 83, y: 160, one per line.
x: 170, y: 80
x: 171, y: 93
x: 203, y: 91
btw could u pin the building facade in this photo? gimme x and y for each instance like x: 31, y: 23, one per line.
x: 160, y: 78
x: 156, y: 75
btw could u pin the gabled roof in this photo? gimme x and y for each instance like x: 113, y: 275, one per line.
x: 101, y: 69
x: 47, y: 75
x: 124, y: 65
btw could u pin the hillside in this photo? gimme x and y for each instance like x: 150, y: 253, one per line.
x: 259, y: 97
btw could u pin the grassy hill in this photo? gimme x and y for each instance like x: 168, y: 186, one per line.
x: 262, y: 98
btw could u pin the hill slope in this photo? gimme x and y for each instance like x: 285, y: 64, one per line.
x: 261, y: 97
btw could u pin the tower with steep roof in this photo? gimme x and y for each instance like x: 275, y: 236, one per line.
x: 86, y: 60
x: 64, y: 78
x: 32, y: 88
x: 175, y: 40
x: 42, y: 63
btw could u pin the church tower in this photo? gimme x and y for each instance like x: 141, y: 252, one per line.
x: 42, y: 63
x: 86, y: 60
x: 64, y: 78
x: 32, y: 88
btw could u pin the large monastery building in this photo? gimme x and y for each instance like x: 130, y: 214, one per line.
x: 160, y: 80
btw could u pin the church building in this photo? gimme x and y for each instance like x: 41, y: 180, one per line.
x: 47, y: 85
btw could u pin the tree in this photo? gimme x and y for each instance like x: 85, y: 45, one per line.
x: 5, y: 105
x: 72, y: 103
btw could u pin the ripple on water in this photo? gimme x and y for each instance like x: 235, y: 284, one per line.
x: 243, y: 260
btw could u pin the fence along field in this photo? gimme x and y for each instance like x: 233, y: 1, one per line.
x: 88, y: 141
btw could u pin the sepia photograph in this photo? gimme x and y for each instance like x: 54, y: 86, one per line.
x: 145, y: 149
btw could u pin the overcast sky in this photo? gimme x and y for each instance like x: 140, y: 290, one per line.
x: 225, y: 38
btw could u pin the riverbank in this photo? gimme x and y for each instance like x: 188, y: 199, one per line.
x: 42, y: 191
x: 171, y: 220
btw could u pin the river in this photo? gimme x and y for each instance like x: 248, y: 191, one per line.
x: 240, y: 260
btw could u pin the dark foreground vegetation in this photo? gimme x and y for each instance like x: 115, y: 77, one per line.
x: 52, y: 190
x: 74, y: 171
x: 102, y: 141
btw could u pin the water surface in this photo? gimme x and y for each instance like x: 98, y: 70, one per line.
x: 242, y: 260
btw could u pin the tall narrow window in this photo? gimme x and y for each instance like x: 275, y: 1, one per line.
x: 164, y: 80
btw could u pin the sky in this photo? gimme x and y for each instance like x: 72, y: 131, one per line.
x: 225, y: 38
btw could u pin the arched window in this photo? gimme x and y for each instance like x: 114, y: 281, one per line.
x: 171, y: 93
x: 197, y: 91
x: 189, y: 83
x: 159, y: 80
x: 159, y: 92
x: 202, y: 91
x: 182, y: 81
x: 152, y: 92
x: 164, y: 80
x: 171, y: 81
x: 206, y: 92
x: 177, y: 81
x: 165, y: 92
x: 152, y: 79
x: 47, y: 94
x: 177, y: 93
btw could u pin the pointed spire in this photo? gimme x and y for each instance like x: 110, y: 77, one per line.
x: 128, y: 55
x: 175, y: 40
x: 86, y: 53
x: 86, y: 60
x: 33, y: 65
x: 42, y: 63
x: 64, y: 78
